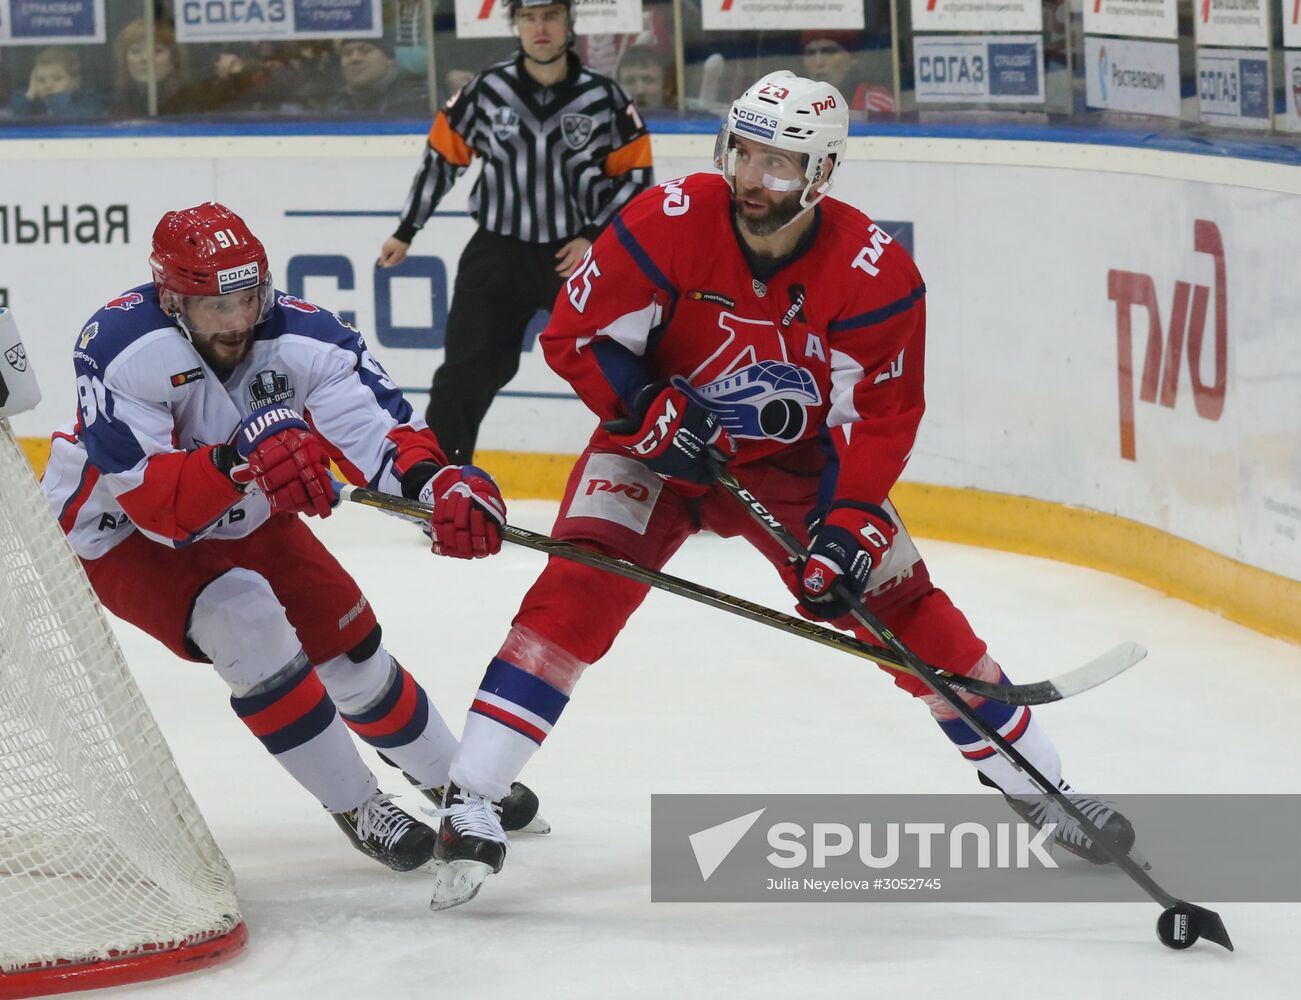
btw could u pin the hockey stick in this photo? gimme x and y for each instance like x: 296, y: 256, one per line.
x: 1090, y: 675
x: 1181, y: 923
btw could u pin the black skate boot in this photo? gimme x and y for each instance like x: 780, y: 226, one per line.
x: 519, y: 809
x: 1043, y: 809
x: 471, y: 846
x: 381, y: 830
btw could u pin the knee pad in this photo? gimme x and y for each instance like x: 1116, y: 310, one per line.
x: 241, y: 626
x: 357, y: 685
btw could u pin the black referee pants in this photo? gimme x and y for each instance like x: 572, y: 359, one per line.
x: 500, y: 283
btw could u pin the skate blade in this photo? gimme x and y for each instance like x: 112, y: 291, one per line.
x: 457, y: 882
x: 536, y: 825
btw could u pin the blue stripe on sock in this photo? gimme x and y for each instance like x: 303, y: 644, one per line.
x: 508, y: 681
x: 252, y: 704
x: 995, y: 713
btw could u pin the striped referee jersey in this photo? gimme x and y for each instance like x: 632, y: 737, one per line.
x: 558, y: 162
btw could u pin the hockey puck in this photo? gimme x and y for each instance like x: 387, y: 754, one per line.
x: 1177, y: 926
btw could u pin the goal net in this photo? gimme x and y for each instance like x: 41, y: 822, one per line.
x: 108, y: 873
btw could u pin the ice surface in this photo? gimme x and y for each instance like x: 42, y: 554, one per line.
x: 691, y: 700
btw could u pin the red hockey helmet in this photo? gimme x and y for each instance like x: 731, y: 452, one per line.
x: 207, y: 250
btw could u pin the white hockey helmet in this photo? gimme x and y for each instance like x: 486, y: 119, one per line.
x: 793, y: 113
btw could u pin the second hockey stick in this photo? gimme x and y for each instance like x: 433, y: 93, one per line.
x: 1090, y: 675
x: 1181, y: 923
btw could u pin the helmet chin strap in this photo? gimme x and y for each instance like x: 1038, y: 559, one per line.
x: 177, y: 315
x: 806, y: 204
x: 179, y: 319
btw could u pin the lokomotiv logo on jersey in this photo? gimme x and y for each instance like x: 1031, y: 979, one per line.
x: 751, y: 382
x: 268, y: 387
x: 768, y: 399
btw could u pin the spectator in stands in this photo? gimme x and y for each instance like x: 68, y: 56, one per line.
x: 455, y: 79
x: 373, y: 82
x: 54, y: 88
x: 834, y: 56
x: 240, y: 79
x: 131, y: 57
x: 310, y: 66
x: 604, y: 52
x: 642, y: 73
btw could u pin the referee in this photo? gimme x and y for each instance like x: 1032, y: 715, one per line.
x: 563, y: 149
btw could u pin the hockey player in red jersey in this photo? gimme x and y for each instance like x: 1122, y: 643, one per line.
x: 745, y: 318
x: 208, y: 405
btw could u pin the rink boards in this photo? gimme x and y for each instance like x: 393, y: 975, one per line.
x: 1112, y: 331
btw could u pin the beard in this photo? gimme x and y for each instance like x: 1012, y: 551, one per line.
x: 779, y: 214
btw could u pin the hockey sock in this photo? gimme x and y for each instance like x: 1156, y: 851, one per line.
x: 296, y: 721
x: 1014, y: 723
x: 383, y: 704
x: 512, y: 713
x: 239, y: 623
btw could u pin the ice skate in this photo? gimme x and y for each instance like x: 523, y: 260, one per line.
x: 1042, y: 809
x: 471, y: 846
x: 383, y: 831
x: 519, y: 809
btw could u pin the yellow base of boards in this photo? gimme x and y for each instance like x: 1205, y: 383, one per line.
x: 1262, y: 601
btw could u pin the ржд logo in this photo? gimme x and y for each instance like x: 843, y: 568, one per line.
x: 1163, y: 356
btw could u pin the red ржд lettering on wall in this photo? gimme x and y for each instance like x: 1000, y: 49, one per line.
x: 1163, y: 357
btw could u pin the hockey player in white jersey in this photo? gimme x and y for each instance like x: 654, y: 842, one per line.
x: 209, y: 407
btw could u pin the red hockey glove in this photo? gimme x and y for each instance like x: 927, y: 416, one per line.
x: 847, y: 544
x: 468, y: 512
x: 678, y: 439
x: 285, y: 460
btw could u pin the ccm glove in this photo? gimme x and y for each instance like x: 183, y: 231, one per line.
x: 468, y: 512
x: 847, y: 544
x: 276, y: 451
x: 677, y: 439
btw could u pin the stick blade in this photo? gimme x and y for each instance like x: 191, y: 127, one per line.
x: 1112, y: 663
x: 1181, y: 925
x: 1212, y: 927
